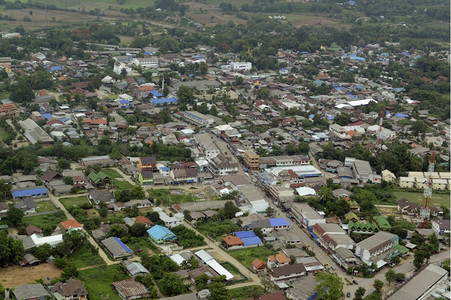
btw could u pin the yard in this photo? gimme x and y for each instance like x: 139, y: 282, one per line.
x: 217, y: 229
x: 246, y: 292
x: 437, y: 199
x: 72, y: 201
x: 83, y: 258
x: 117, y: 179
x: 247, y: 256
x: 98, y: 281
x: 142, y: 244
x: 46, y: 223
x: 43, y: 206
x: 170, y: 197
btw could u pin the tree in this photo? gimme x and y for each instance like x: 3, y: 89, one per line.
x: 103, y: 212
x: 329, y: 287
x: 42, y: 252
x: 138, y: 230
x: 68, y: 180
x: 218, y: 290
x: 21, y: 92
x: 359, y: 293
x: 378, y: 284
x: 69, y: 271
x: 433, y: 242
x: 202, y: 282
x: 230, y: 209
x: 172, y: 285
x: 390, y: 276
x: 11, y: 250
x: 63, y: 164
x: 115, y: 154
x: 185, y: 95
x: 137, y: 192
x: 14, y: 216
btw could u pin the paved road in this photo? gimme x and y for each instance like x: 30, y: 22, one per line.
x: 102, y: 254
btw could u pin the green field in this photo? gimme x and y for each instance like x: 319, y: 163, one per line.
x: 247, y: 256
x: 437, y: 199
x: 43, y: 206
x: 3, y: 134
x: 46, y: 222
x: 98, y: 281
x: 69, y: 202
x: 117, y: 179
x: 84, y: 258
x: 170, y: 197
x: 246, y: 292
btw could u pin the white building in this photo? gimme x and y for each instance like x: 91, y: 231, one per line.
x: 146, y: 63
x: 169, y: 221
x: 241, y: 66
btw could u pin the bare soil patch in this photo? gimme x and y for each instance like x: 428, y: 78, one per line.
x: 15, y: 275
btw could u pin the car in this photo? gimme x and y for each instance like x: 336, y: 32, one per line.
x: 355, y: 282
x: 333, y: 268
x: 348, y: 294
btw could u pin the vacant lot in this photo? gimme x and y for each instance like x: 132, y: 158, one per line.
x: 437, y: 199
x: 117, y: 179
x: 69, y: 202
x: 246, y: 292
x: 46, y: 222
x: 43, y: 206
x: 170, y: 197
x: 83, y: 258
x: 247, y: 256
x: 98, y: 281
x: 15, y: 275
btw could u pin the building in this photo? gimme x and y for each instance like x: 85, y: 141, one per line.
x: 34, y: 192
x: 130, y: 289
x: 407, y: 182
x: 72, y: 289
x: 31, y: 292
x: 370, y: 249
x: 28, y: 206
x: 117, y: 248
x: 9, y: 110
x: 144, y: 220
x: 287, y: 273
x: 441, y: 226
x: 196, y: 118
x: 135, y: 268
x: 170, y: 222
x: 332, y: 236
x: 258, y: 266
x: 306, y: 215
x: 70, y: 225
x: 363, y: 172
x: 148, y: 163
x: 221, y: 165
x: 431, y: 283
x: 241, y: 66
x: 34, y: 133
x: 146, y: 63
x: 160, y: 234
x: 251, y: 159
x: 146, y: 177
x: 407, y: 207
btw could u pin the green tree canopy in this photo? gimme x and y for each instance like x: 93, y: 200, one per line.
x: 329, y: 286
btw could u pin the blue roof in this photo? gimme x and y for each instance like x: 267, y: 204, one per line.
x: 351, y: 2
x: 244, y: 234
x: 331, y: 117
x: 125, y: 247
x: 30, y: 192
x: 158, y: 232
x: 149, y: 53
x: 124, y: 101
x: 398, y: 90
x: 165, y: 168
x: 357, y: 58
x: 311, y: 116
x: 64, y: 119
x: 156, y: 93
x: 304, y: 52
x: 318, y: 82
x: 46, y: 116
x: 56, y: 68
x: 279, y: 222
x: 253, y: 240
x: 164, y: 100
x: 400, y: 115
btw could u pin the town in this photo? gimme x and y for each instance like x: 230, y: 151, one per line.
x: 146, y: 172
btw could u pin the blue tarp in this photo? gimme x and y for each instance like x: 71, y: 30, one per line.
x: 46, y: 116
x: 125, y: 247
x: 400, y: 115
x: 311, y: 116
x: 331, y: 117
x: 164, y: 100
x: 124, y: 101
x: 30, y: 192
x: 357, y: 58
x: 156, y: 93
x: 314, y: 236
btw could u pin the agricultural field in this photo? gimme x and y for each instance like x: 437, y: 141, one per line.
x: 247, y: 256
x: 72, y: 201
x: 437, y: 199
x: 98, y: 281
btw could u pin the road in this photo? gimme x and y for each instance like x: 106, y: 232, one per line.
x: 57, y: 203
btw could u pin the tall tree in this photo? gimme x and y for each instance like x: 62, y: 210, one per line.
x: 378, y: 284
x: 359, y: 293
x: 390, y: 276
x: 11, y: 250
x: 14, y: 215
x: 329, y: 286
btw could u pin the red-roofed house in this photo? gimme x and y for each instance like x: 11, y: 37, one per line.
x: 143, y: 220
x: 232, y: 241
x: 258, y: 266
x: 9, y: 110
x: 70, y: 224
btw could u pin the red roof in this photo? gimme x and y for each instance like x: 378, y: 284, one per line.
x: 143, y: 220
x: 99, y: 121
x: 231, y: 240
x: 258, y: 264
x: 71, y: 224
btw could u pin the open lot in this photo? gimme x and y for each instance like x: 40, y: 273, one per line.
x: 246, y: 292
x: 117, y: 179
x: 43, y: 206
x: 98, y: 281
x: 69, y: 202
x: 247, y: 256
x: 172, y: 196
x: 83, y: 258
x: 48, y: 222
x: 437, y: 199
x: 14, y: 275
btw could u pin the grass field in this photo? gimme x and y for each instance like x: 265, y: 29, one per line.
x: 246, y: 292
x: 3, y: 134
x: 247, y: 256
x: 46, y: 221
x: 437, y: 199
x: 98, y: 281
x: 43, y: 206
x: 116, y: 178
x: 69, y: 202
x: 170, y: 197
x: 84, y: 258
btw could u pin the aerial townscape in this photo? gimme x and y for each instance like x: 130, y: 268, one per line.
x: 208, y: 150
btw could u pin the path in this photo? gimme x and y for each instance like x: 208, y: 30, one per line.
x: 102, y: 253
x: 243, y: 270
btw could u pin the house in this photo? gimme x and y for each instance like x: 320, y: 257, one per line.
x: 101, y: 196
x: 278, y: 260
x: 170, y: 222
x: 70, y: 225
x: 29, y: 291
x: 287, y: 273
x: 51, y: 175
x: 160, y: 234
x: 371, y: 248
x: 30, y: 230
x: 100, y: 180
x: 144, y: 220
x: 117, y: 248
x: 34, y: 192
x: 441, y: 226
x: 258, y: 266
x: 27, y: 205
x: 4, y: 207
x: 382, y: 223
x: 341, y: 193
x: 146, y: 177
x: 306, y: 215
x: 388, y: 176
x: 196, y: 216
x: 148, y: 163
x: 407, y: 207
x: 135, y: 268
x: 279, y: 223
x: 232, y: 242
x: 70, y: 290
x: 130, y: 289
x: 221, y: 165
x: 264, y: 225
x: 345, y: 258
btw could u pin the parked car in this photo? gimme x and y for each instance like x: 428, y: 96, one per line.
x: 348, y: 294
x: 355, y: 282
